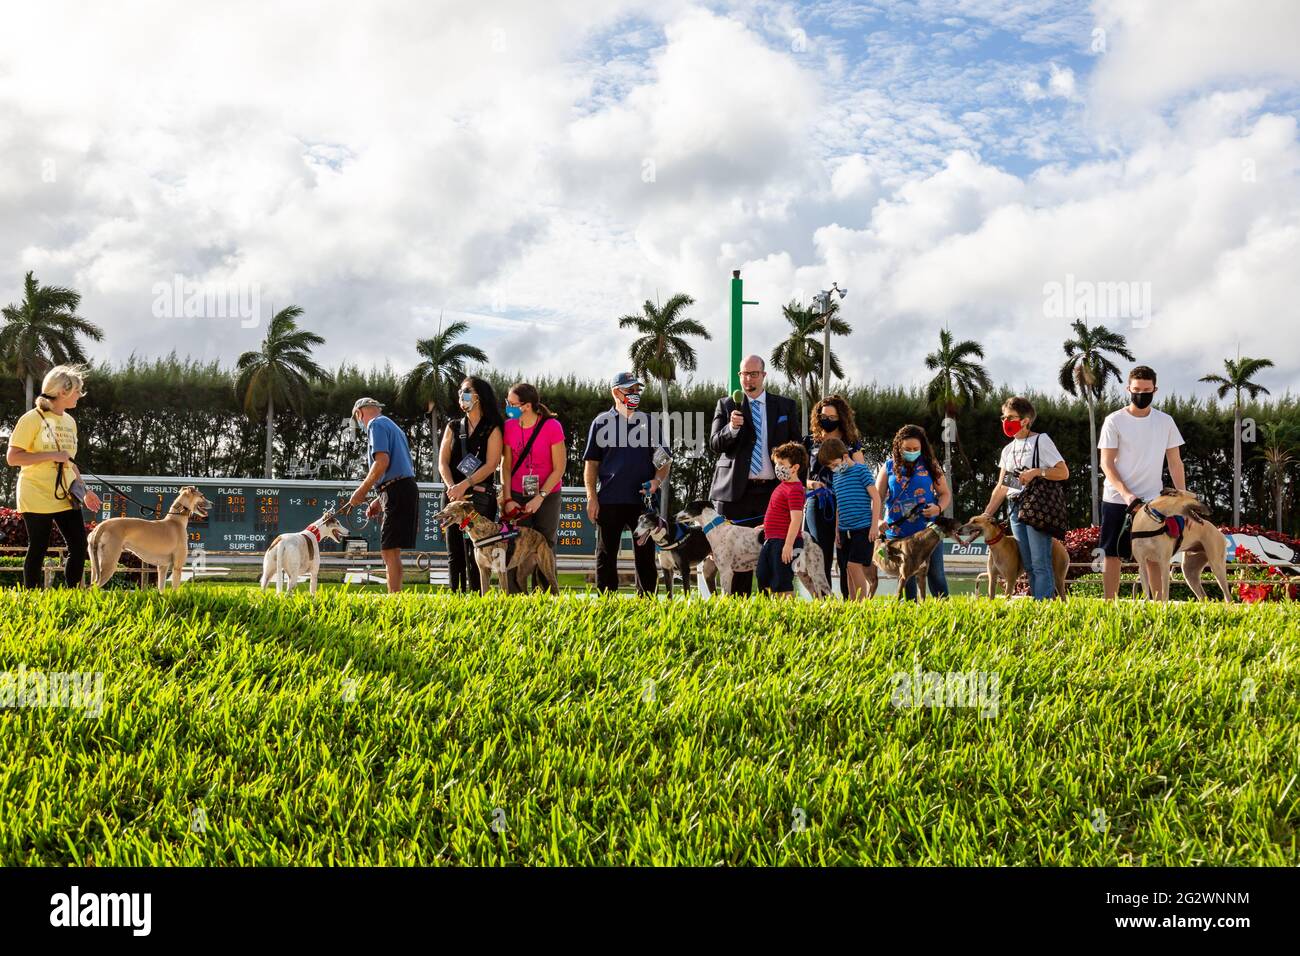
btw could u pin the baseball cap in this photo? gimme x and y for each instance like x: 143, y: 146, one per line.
x: 361, y: 403
x: 626, y: 380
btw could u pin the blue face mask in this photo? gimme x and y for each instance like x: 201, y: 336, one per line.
x: 513, y: 411
x: 466, y: 400
x: 911, y: 455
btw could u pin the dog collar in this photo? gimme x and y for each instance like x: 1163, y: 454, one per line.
x: 719, y: 520
x: 992, y: 541
x: 465, y: 524
x: 312, y: 530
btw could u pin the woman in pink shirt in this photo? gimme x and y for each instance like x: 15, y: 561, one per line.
x: 532, y: 468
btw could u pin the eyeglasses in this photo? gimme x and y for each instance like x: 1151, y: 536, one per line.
x: 748, y: 374
x: 1011, y: 418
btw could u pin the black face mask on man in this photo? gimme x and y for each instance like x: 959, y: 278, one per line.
x: 1141, y: 399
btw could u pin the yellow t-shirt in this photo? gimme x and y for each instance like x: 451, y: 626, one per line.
x: 36, y: 482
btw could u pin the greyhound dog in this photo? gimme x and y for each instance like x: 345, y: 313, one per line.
x: 160, y: 542
x: 909, y: 557
x: 736, y: 548
x: 522, y: 550
x: 1004, y: 562
x: 677, y: 557
x: 1158, y: 535
x: 296, y: 555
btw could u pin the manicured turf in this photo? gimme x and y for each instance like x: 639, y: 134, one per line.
x: 238, y: 728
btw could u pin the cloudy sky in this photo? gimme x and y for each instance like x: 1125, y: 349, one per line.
x: 539, y: 169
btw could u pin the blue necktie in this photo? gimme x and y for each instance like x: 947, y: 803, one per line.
x: 756, y: 457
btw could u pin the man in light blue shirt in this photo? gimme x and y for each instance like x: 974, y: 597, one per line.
x: 391, y: 471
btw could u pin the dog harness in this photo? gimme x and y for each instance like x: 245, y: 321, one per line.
x: 1172, y: 525
x: 505, y: 534
x: 681, y: 533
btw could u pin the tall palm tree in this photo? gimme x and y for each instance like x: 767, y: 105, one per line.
x: 1085, y: 374
x: 445, y: 364
x: 280, y: 370
x: 1278, y: 452
x: 799, y: 357
x: 960, y: 380
x: 662, y: 349
x: 43, y: 332
x: 1238, y: 379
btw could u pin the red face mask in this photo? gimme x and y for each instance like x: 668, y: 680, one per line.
x: 1012, y: 428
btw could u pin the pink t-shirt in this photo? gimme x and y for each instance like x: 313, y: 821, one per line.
x: 539, y: 456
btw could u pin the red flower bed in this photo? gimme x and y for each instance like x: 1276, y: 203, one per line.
x: 1264, y: 582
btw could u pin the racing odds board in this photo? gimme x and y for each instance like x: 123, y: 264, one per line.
x: 247, y: 513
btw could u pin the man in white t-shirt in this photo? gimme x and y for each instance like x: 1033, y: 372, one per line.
x: 1135, y: 444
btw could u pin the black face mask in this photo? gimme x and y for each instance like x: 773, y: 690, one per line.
x: 1141, y: 399
x: 828, y: 424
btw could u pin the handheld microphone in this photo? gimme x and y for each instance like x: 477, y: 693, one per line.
x: 738, y: 397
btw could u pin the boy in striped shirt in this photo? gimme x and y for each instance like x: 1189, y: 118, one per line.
x: 856, y: 500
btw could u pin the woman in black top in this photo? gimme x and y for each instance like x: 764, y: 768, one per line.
x: 467, y: 461
x: 831, y: 418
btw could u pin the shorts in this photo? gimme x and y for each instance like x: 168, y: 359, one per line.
x: 1113, y: 543
x: 858, y: 550
x: 401, y: 515
x: 774, y: 574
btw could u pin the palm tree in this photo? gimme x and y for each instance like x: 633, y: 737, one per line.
x: 281, y: 369
x: 662, y: 349
x: 960, y: 380
x: 1278, y: 453
x: 1085, y: 374
x: 445, y: 365
x: 43, y: 332
x: 799, y: 357
x: 1237, y: 379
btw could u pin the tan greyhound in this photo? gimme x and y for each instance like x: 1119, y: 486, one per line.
x: 1199, y: 540
x: 159, y: 542
x: 1004, y: 562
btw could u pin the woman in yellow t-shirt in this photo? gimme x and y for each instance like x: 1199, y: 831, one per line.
x: 43, y: 445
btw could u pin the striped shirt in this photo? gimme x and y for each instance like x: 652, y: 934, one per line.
x: 852, y: 500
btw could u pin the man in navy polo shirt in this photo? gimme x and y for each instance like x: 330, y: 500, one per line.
x: 619, y: 461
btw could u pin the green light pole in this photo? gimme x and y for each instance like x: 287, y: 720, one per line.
x: 737, y: 302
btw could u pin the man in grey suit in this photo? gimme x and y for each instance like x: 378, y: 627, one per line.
x: 743, y: 437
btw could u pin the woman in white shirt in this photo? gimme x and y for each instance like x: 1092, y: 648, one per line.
x: 1031, y: 456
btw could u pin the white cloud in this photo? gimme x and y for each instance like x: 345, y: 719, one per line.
x: 380, y: 165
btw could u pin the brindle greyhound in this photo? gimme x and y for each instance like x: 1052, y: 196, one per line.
x: 522, y: 551
x: 909, y: 557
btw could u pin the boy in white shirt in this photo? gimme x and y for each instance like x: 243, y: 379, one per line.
x: 1135, y: 444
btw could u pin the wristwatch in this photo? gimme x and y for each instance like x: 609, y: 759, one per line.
x: 542, y: 495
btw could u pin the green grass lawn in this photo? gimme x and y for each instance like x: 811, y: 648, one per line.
x: 238, y: 728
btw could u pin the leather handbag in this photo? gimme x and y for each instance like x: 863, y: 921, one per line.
x: 1042, y: 503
